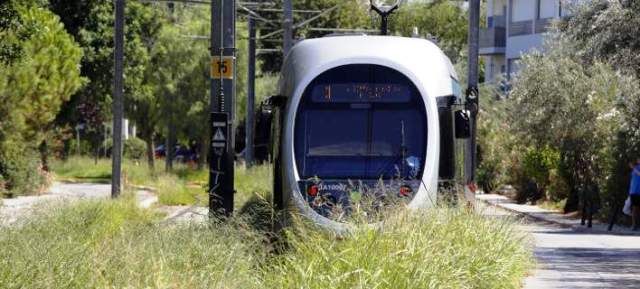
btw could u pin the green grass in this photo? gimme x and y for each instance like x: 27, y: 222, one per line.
x: 184, y: 186
x: 439, y: 248
x: 113, y: 244
x: 84, y: 169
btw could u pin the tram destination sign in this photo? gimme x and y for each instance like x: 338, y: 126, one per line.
x: 361, y: 92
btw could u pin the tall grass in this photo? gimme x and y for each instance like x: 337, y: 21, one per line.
x: 87, y: 169
x: 439, y: 248
x: 185, y: 185
x: 114, y: 244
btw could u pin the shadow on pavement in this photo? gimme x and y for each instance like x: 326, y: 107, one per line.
x: 591, y: 267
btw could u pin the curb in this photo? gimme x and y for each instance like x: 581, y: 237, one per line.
x: 577, y: 228
x: 527, y: 215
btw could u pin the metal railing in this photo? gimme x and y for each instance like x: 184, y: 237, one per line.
x: 543, y: 25
x: 497, y: 21
x: 492, y: 37
x: 521, y: 28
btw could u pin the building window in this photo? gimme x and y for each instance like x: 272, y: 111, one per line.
x: 546, y: 9
x: 522, y: 10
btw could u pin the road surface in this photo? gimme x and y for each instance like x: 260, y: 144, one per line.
x: 568, y: 258
x: 16, y: 209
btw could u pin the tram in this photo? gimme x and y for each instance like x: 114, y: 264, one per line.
x: 364, y: 120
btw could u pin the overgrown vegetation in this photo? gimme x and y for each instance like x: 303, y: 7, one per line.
x: 570, y: 125
x: 115, y: 244
x: 439, y: 248
x: 39, y: 71
x: 185, y: 185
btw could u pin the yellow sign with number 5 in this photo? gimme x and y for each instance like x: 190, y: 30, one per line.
x: 222, y: 69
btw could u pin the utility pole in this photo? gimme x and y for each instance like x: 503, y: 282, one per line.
x: 472, y: 91
x: 251, y: 95
x: 116, y: 152
x: 221, y: 163
x: 287, y: 25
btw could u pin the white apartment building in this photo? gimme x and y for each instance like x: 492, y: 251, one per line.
x: 515, y: 27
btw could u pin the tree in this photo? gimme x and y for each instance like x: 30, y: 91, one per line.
x: 445, y: 20
x: 91, y: 24
x: 579, y: 98
x: 39, y: 72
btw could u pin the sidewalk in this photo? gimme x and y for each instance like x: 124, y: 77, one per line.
x: 553, y: 217
x: 14, y: 209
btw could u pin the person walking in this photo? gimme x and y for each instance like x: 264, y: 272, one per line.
x: 634, y: 194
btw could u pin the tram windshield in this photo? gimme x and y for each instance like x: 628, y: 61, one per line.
x: 360, y: 122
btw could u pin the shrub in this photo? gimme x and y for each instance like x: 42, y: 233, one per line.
x: 39, y: 71
x: 135, y: 148
x: 20, y: 172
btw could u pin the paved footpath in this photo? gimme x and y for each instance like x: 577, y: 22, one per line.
x: 15, y: 209
x: 570, y: 256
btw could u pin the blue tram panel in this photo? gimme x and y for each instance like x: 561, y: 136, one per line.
x: 357, y: 127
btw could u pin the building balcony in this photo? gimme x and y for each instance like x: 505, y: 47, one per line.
x: 492, y: 40
x: 543, y: 25
x: 496, y: 21
x: 521, y: 28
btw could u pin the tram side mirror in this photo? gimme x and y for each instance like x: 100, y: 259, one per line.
x: 463, y: 124
x: 276, y: 101
x: 265, y: 107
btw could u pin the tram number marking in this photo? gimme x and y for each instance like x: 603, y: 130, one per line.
x: 222, y: 69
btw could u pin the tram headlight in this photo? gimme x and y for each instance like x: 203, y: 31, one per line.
x: 312, y: 190
x: 405, y: 191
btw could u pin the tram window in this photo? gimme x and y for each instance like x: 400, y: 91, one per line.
x: 387, y: 141
x: 336, y: 133
x: 345, y: 134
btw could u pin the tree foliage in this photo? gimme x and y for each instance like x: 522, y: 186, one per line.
x: 38, y: 73
x: 578, y: 99
x: 444, y: 20
x: 91, y: 24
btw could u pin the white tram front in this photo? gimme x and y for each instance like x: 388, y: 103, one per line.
x: 362, y: 119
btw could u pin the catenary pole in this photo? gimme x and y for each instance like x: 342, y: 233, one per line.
x: 287, y: 26
x: 117, y: 106
x: 251, y: 78
x: 470, y: 152
x: 222, y: 106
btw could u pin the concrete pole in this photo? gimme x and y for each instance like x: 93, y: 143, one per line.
x: 251, y: 78
x: 288, y: 27
x: 118, y: 81
x: 470, y: 152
